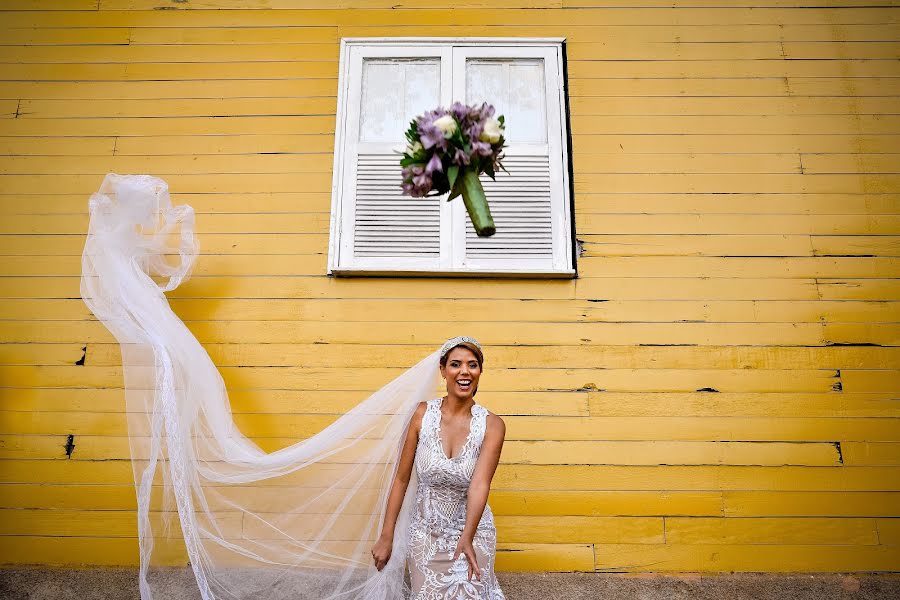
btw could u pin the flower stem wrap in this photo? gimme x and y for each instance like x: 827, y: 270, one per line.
x: 476, y: 204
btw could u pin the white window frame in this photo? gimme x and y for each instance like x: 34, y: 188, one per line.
x: 341, y: 261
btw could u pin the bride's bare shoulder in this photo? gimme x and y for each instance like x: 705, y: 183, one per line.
x: 421, y: 407
x: 495, y: 425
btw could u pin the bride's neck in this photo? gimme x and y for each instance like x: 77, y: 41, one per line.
x: 457, y: 404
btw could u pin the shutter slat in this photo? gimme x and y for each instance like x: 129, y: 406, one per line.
x: 387, y: 223
x: 521, y: 207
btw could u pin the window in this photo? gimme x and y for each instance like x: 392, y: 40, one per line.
x: 384, y: 84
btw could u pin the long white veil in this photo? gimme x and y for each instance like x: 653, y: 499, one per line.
x: 296, y: 523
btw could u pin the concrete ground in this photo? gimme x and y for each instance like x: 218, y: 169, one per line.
x: 177, y: 584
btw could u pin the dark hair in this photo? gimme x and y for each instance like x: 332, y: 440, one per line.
x: 468, y: 346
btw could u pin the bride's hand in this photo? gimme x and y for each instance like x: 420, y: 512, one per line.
x: 381, y: 551
x: 465, y: 547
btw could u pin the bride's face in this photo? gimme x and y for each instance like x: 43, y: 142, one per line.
x: 461, y: 372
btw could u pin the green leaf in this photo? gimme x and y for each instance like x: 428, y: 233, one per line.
x: 452, y: 173
x: 456, y: 189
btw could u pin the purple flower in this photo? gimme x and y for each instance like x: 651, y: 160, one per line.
x: 434, y: 165
x: 486, y: 111
x: 460, y: 111
x: 482, y: 148
x: 460, y: 157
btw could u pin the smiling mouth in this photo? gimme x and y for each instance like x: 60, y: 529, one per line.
x: 464, y: 383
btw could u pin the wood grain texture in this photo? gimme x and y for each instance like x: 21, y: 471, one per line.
x: 716, y: 391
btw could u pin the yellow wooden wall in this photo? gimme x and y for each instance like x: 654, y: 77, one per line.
x: 717, y: 391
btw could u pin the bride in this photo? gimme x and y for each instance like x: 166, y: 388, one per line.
x: 337, y: 515
x: 454, y: 444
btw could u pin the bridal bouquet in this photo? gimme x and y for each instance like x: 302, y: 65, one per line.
x: 448, y: 150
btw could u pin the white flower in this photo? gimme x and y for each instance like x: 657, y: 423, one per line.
x: 447, y: 124
x: 492, y: 131
x: 414, y: 148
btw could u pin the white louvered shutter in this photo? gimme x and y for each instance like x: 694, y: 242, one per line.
x: 530, y: 203
x: 377, y: 230
x: 383, y: 230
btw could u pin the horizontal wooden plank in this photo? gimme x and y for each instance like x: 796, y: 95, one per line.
x: 534, y: 428
x: 859, y: 453
x: 623, y: 142
x: 752, y: 503
x: 187, y: 107
x: 598, y: 223
x: 571, y: 403
x: 622, y: 183
x: 593, y: 245
x: 166, y: 126
x: 32, y: 36
x: 149, y: 90
x: 322, y: 163
x: 297, y: 34
x: 50, y: 146
x: 74, y: 551
x: 547, y: 477
x: 772, y: 558
x: 498, y: 379
x: 736, y: 87
x: 680, y: 106
x: 619, y: 144
x: 593, y: 289
x: 180, y: 71
x: 286, y: 243
x: 309, y: 162
x: 172, y: 53
x: 241, y: 36
x: 511, y: 529
x: 619, y: 47
x: 48, y: 5
x: 404, y: 310
x: 694, y: 530
x: 850, y: 163
x: 825, y: 50
x: 707, y: 183
x: 770, y: 531
x: 262, y: 122
x: 591, y: 266
x: 538, y: 452
x: 591, y: 202
x: 112, y: 17
x: 9, y: 109
x: 546, y: 334
x: 511, y: 502
x: 623, y: 69
x: 588, y: 223
x: 94, y: 551
x: 657, y: 288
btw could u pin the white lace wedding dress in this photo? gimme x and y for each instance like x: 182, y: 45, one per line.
x: 440, y: 516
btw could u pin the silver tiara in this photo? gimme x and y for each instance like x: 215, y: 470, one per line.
x: 456, y: 341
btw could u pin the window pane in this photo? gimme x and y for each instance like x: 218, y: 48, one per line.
x: 516, y: 89
x: 394, y: 92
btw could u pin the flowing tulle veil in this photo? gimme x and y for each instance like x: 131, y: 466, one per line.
x: 295, y: 523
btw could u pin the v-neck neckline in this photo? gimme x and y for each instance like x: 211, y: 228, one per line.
x: 440, y: 440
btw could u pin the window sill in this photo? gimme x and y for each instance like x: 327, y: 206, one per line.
x: 499, y: 273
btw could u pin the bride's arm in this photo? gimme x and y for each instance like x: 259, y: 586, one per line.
x: 491, y: 446
x: 381, y: 552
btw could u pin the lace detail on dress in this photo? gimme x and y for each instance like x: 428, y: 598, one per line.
x: 440, y: 516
